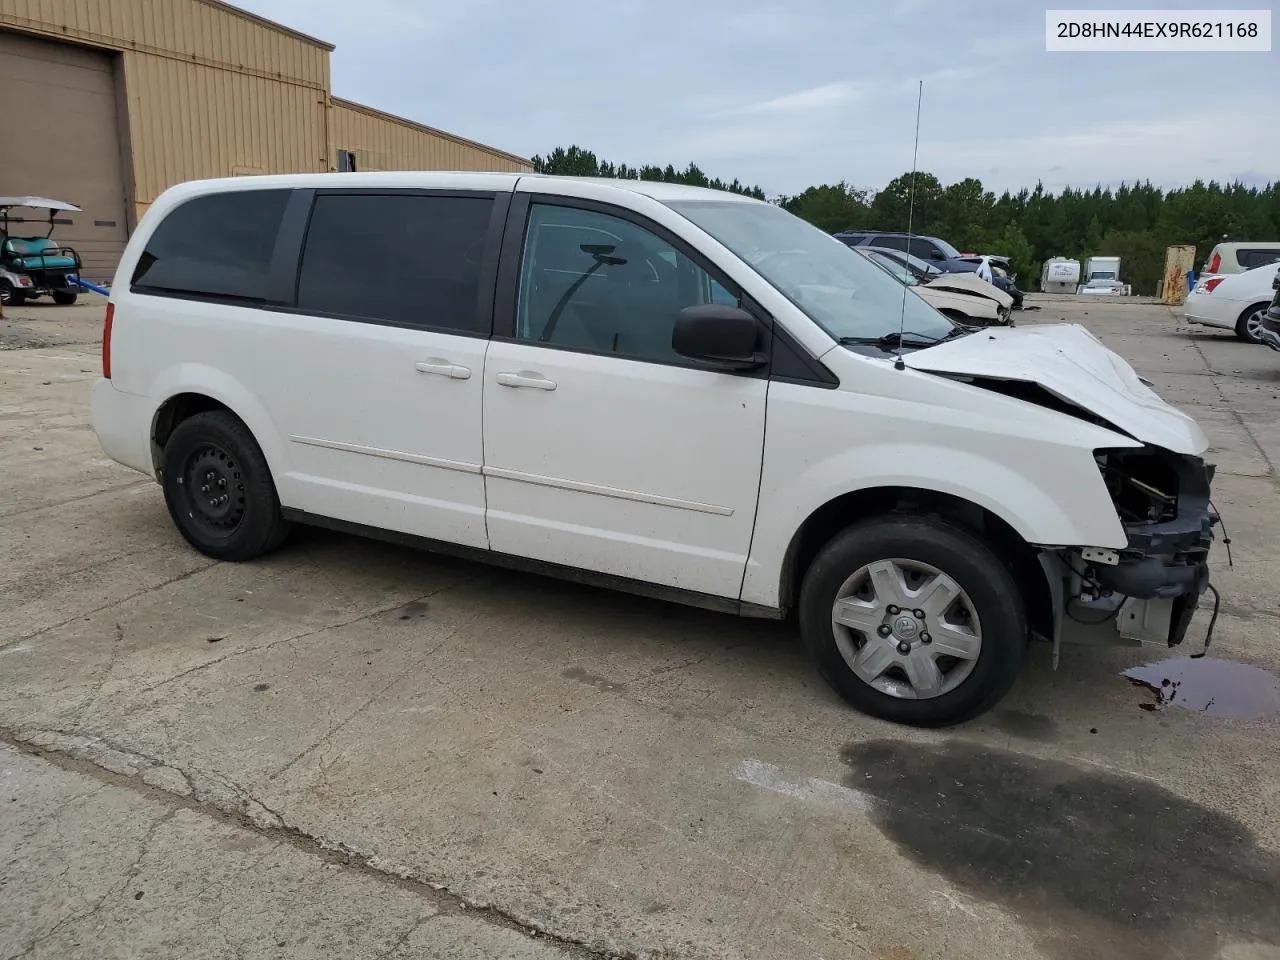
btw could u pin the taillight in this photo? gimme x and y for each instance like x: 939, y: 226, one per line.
x: 106, y: 340
x: 1212, y: 283
x: 1214, y: 263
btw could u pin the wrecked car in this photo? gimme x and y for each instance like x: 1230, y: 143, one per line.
x: 964, y: 297
x: 677, y: 392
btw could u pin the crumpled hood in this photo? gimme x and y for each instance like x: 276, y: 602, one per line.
x: 1071, y: 363
x: 973, y: 284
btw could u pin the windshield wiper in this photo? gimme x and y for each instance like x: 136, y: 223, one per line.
x: 895, y: 339
x: 907, y: 338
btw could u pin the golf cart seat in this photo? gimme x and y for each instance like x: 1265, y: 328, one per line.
x: 36, y: 253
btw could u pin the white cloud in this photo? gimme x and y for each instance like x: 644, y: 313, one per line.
x: 788, y: 94
x: 813, y: 99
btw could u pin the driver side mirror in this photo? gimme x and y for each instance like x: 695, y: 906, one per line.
x: 718, y: 335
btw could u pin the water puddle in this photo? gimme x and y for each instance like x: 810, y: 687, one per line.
x: 1220, y: 688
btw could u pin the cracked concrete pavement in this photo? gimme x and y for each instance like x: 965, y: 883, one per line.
x: 348, y: 737
x: 93, y: 867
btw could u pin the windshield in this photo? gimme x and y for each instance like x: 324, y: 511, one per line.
x: 922, y: 268
x: 896, y: 268
x: 838, y: 288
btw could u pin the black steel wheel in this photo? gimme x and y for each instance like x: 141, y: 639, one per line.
x: 219, y: 490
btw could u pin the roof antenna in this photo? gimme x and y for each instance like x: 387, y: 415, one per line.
x: 911, y: 209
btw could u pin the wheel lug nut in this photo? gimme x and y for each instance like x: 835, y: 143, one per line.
x: 205, y: 488
x: 918, y: 614
x: 894, y: 611
x: 926, y: 639
x: 904, y: 648
x: 884, y: 630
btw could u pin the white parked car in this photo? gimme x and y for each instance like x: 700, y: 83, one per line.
x: 1237, y: 302
x: 678, y: 392
x: 963, y: 297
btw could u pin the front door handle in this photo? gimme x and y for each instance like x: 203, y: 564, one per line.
x: 526, y: 378
x: 443, y: 368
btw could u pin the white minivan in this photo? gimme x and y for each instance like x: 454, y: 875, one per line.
x: 679, y: 392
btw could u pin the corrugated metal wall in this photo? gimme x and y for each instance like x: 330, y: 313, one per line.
x: 188, y: 122
x: 384, y: 142
x: 194, y: 31
x: 211, y: 91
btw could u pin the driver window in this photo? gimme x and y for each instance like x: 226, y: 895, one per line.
x: 601, y: 284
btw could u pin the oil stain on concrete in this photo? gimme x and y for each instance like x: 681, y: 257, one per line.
x: 1025, y: 726
x: 414, y: 610
x: 1098, y: 865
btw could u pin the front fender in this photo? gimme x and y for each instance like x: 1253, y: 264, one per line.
x: 236, y: 397
x: 1046, y: 500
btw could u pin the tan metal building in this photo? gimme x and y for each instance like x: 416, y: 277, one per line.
x: 128, y: 97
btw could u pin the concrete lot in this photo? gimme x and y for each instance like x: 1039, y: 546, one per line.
x: 355, y: 750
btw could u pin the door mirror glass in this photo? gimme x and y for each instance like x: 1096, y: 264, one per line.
x: 718, y: 335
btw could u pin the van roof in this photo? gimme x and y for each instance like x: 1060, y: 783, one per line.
x: 446, y: 179
x: 1263, y: 244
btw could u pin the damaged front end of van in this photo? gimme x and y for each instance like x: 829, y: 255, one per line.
x: 1148, y: 590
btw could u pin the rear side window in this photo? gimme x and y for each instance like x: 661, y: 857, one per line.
x: 889, y: 243
x: 1250, y: 259
x: 405, y: 260
x: 215, y: 246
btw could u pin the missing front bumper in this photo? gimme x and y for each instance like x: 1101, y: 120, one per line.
x: 1086, y: 618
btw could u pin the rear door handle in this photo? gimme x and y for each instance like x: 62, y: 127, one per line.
x: 526, y: 378
x: 443, y: 368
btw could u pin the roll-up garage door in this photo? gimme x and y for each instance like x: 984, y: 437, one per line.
x: 62, y: 140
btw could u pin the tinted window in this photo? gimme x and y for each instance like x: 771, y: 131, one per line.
x: 890, y: 243
x: 926, y: 249
x: 218, y: 245
x: 1251, y: 259
x: 602, y: 284
x: 407, y: 260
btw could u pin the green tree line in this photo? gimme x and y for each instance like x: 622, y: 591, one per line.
x: 1135, y: 222
x: 577, y: 162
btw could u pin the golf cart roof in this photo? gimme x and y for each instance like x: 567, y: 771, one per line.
x: 39, y: 203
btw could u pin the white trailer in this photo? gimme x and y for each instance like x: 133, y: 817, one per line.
x: 1060, y: 275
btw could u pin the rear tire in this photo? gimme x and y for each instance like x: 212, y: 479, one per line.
x: 941, y: 669
x: 219, y: 490
x: 63, y: 298
x: 1250, y: 323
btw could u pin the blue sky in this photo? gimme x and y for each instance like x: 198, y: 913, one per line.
x: 808, y: 91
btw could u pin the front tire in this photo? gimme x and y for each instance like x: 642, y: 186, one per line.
x: 219, y: 490
x: 913, y: 620
x: 10, y: 297
x: 1249, y: 326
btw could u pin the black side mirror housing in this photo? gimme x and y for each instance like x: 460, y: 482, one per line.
x: 718, y: 335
